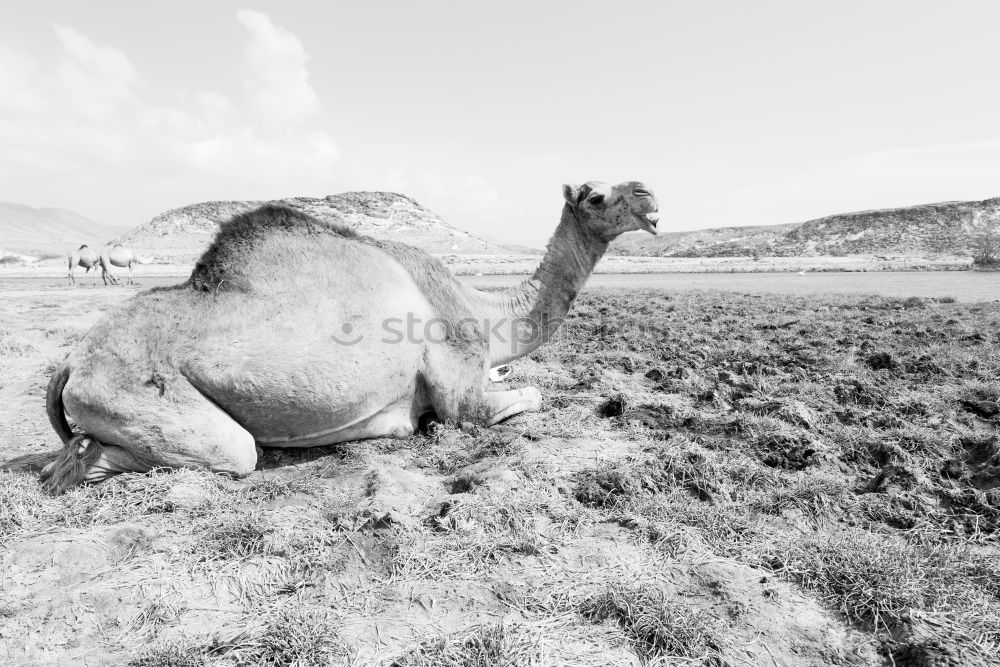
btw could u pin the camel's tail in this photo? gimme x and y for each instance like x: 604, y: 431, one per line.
x: 78, y: 453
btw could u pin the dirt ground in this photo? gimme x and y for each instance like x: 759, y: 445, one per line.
x: 714, y: 479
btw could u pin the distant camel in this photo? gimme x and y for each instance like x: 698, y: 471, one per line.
x: 120, y: 256
x: 87, y: 258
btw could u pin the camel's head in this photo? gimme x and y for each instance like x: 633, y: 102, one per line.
x: 609, y: 210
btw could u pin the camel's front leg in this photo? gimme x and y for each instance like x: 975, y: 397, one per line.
x: 455, y: 377
x: 505, y: 404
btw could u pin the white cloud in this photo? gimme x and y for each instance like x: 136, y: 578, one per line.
x: 87, y: 129
x: 99, y: 64
x: 277, y: 81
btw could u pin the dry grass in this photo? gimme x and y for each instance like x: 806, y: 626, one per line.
x: 657, y: 625
x: 173, y: 654
x: 497, y: 645
x: 182, y: 494
x: 829, y: 441
x: 292, y: 636
x: 473, y: 533
x: 880, y: 583
x: 13, y: 344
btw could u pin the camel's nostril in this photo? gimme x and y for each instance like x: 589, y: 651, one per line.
x: 642, y: 192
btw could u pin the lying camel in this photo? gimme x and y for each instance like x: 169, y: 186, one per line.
x: 87, y: 258
x: 120, y: 256
x: 366, y: 339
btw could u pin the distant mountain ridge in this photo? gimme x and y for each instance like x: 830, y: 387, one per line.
x: 49, y: 230
x: 178, y: 236
x: 182, y: 234
x: 945, y: 228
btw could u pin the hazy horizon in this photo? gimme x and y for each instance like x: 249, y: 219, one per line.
x: 734, y: 114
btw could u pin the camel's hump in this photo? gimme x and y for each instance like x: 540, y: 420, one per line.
x: 234, y: 244
x: 224, y: 265
x: 271, y: 218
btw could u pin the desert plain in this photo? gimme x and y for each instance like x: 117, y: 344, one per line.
x: 715, y: 478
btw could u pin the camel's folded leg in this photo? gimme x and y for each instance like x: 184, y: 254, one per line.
x: 144, y: 429
x: 454, y: 379
x: 505, y: 404
x: 109, y: 461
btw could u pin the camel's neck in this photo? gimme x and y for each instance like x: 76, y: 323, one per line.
x: 525, y: 317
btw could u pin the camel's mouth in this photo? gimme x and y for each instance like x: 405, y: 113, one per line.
x: 649, y: 221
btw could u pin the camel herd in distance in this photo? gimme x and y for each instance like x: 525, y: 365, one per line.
x: 112, y: 255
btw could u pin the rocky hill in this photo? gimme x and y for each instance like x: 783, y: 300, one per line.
x: 180, y: 235
x: 39, y: 231
x: 716, y: 242
x: 946, y: 228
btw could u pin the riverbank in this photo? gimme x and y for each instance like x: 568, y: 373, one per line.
x: 472, y: 265
x: 966, y: 286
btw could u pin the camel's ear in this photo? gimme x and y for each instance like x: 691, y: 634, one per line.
x: 571, y: 194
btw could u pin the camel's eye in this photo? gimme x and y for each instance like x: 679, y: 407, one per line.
x: 596, y: 199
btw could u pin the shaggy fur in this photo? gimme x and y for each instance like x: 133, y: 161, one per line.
x: 223, y: 266
x: 71, y: 465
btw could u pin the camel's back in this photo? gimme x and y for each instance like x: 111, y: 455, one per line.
x: 86, y: 256
x: 119, y: 255
x: 275, y: 235
x: 276, y: 249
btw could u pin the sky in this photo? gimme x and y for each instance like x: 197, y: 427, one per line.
x: 734, y: 113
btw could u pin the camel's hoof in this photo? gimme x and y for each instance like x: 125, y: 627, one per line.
x: 533, y: 397
x: 499, y: 373
x: 47, y: 471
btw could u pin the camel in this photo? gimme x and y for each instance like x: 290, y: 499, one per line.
x: 87, y: 258
x: 365, y: 339
x: 120, y: 256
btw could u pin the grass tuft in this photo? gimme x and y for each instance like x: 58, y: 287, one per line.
x: 877, y: 582
x: 173, y: 654
x: 497, y: 645
x: 291, y: 636
x: 656, y: 626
